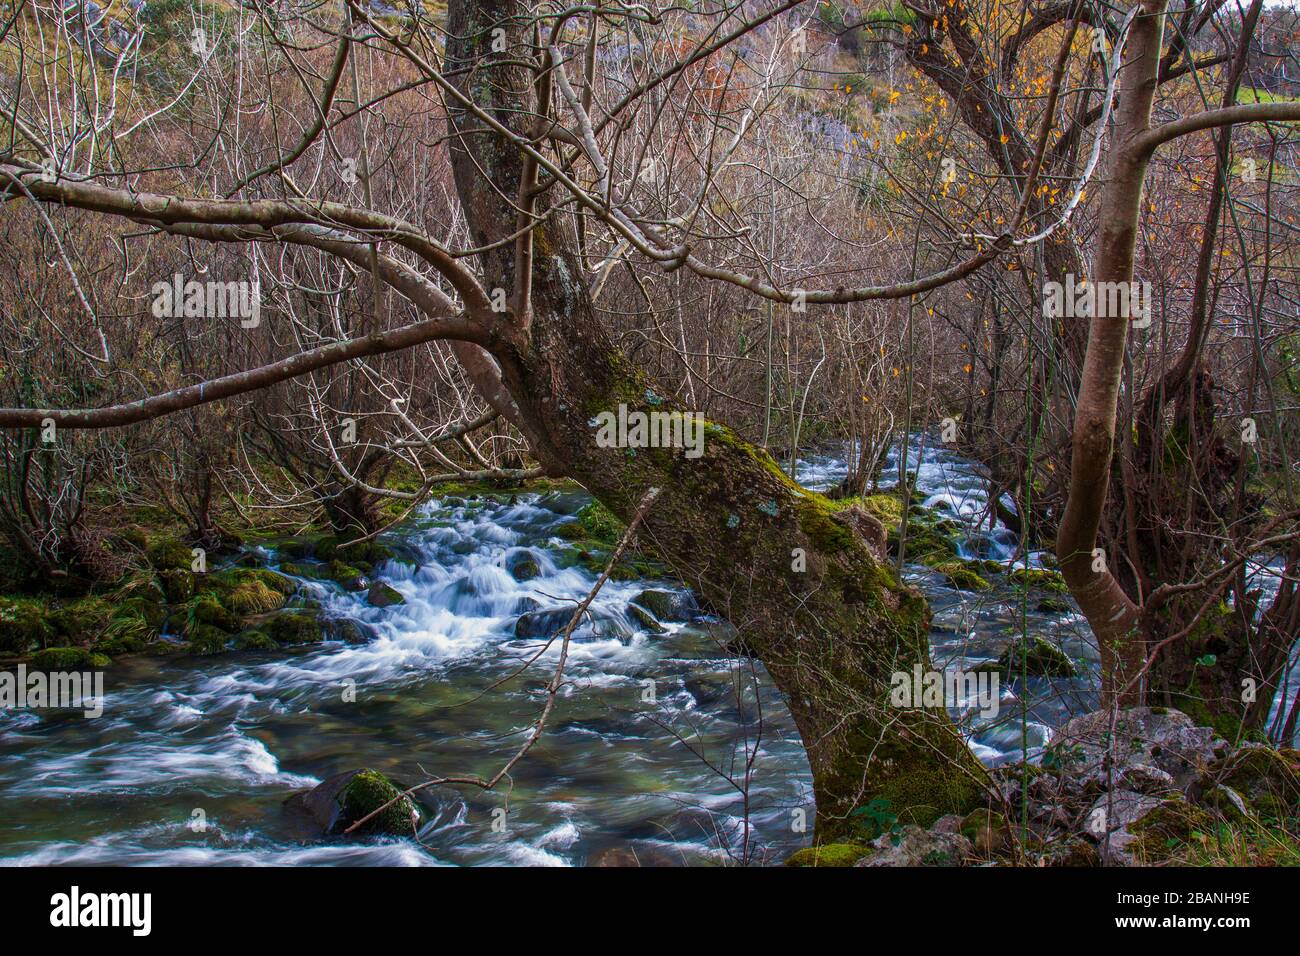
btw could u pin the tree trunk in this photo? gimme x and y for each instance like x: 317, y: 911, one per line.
x: 729, y: 521
x: 1112, y: 615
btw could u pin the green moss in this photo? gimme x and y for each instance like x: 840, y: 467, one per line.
x: 886, y: 508
x: 170, y: 554
x: 310, y: 571
x: 1227, y: 725
x: 205, y: 640
x: 82, y: 621
x: 1039, y: 578
x: 255, y: 640
x: 67, y: 659
x: 599, y: 524
x: 1165, y: 831
x: 208, y: 611
x: 346, y: 575
x: 383, y: 595
x: 925, y: 545
x: 962, y: 577
x: 369, y: 790
x: 294, y: 627
x: 817, y: 521
x: 361, y: 554
x: 1034, y: 657
x: 829, y: 854
x: 1053, y: 606
x: 120, y: 646
x: 1268, y: 779
x: 24, y: 625
x: 178, y: 586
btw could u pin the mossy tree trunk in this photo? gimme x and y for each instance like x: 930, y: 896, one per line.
x: 831, y: 635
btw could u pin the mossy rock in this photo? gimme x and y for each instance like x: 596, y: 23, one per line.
x: 645, y: 620
x: 348, y: 631
x: 962, y: 577
x: 369, y: 790
x: 1165, y: 831
x: 383, y: 595
x: 82, y: 621
x: 170, y: 554
x: 313, y: 572
x: 523, y: 566
x: 987, y: 830
x: 210, y: 612
x: 924, y: 545
x: 601, y: 524
x: 1053, y: 606
x: 67, y: 659
x: 255, y: 640
x: 668, y: 605
x: 294, y: 627
x: 362, y: 554
x: 829, y: 854
x: 178, y: 586
x: 120, y: 646
x: 1036, y: 658
x: 301, y: 547
x: 885, y: 508
x: 24, y: 625
x: 571, y: 531
x: 204, y: 640
x: 1040, y: 579
x: 349, y: 577
x: 130, y: 538
x: 1268, y: 779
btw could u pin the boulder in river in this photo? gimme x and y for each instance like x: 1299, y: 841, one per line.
x: 349, y: 796
x: 677, y: 606
x: 294, y: 627
x: 543, y: 623
x: 1035, y: 657
x: 644, y: 619
x: 383, y: 595
x: 349, y: 630
x: 522, y: 566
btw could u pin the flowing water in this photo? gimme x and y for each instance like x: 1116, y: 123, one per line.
x: 664, y: 749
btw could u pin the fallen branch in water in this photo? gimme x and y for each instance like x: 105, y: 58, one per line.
x: 552, y: 687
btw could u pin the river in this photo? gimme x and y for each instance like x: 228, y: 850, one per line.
x: 645, y: 760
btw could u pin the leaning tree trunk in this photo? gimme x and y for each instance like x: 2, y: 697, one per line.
x: 730, y: 522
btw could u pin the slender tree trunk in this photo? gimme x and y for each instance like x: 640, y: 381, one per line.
x: 1111, y: 613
